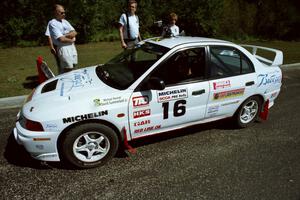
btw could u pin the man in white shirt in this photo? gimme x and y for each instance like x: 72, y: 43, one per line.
x: 63, y: 36
x: 129, y: 27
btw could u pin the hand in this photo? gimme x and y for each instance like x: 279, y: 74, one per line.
x: 53, y: 51
x: 124, y: 45
x: 71, y: 35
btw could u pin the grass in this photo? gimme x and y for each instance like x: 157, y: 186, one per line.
x: 18, y: 65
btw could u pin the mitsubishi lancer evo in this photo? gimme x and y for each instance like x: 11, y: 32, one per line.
x: 84, y: 116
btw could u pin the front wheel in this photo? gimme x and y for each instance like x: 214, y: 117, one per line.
x: 89, y: 145
x: 248, y: 111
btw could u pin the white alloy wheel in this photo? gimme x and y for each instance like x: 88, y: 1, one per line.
x: 249, y: 111
x: 88, y: 145
x: 91, y: 146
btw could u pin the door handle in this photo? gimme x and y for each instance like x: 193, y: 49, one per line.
x: 249, y: 83
x: 198, y: 92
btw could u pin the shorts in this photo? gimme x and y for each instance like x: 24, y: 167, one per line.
x: 67, y: 56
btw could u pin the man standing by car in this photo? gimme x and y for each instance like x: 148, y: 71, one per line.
x: 129, y: 26
x: 63, y: 36
x: 53, y: 48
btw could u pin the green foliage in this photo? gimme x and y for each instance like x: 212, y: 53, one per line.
x: 23, y: 22
x: 105, y: 36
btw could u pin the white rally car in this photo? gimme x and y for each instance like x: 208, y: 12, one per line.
x: 163, y: 84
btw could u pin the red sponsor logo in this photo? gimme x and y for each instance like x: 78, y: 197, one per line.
x: 140, y: 101
x: 221, y: 84
x: 164, y: 98
x: 150, y: 128
x: 141, y: 113
x: 141, y: 123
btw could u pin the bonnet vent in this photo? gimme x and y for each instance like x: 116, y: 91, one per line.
x: 50, y: 86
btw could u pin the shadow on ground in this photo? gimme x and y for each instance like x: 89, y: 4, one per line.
x: 17, y: 155
x: 31, y: 82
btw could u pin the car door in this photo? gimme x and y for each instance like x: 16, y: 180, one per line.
x: 232, y: 80
x: 182, y: 101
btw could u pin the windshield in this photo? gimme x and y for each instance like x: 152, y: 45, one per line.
x: 128, y: 66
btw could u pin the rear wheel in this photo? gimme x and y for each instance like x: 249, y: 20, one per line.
x: 89, y: 145
x: 248, y: 111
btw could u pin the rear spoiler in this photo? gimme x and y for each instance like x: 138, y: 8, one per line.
x: 278, y: 59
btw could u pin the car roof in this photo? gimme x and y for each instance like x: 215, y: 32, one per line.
x: 172, y: 42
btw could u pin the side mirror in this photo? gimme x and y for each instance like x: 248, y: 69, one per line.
x: 155, y: 83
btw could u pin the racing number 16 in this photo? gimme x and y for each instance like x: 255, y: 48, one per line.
x: 178, y: 110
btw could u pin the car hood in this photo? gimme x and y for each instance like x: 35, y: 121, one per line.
x: 71, y: 90
x: 72, y: 83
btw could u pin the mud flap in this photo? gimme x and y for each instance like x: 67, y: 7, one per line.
x: 265, y: 111
x: 127, y: 147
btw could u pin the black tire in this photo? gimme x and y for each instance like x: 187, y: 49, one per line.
x: 89, y: 145
x: 248, y: 112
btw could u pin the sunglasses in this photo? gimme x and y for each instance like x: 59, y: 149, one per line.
x: 62, y: 13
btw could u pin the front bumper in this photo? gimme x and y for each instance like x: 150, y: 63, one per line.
x: 40, y: 145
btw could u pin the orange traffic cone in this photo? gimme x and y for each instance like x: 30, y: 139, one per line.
x: 41, y: 75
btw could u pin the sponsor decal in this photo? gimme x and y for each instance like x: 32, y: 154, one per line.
x: 229, y: 94
x: 141, y: 123
x: 157, y: 39
x: 140, y: 101
x: 221, y: 84
x: 79, y: 79
x: 109, y: 101
x: 213, y: 109
x: 229, y: 103
x: 97, y: 102
x: 170, y: 95
x: 51, y: 126
x: 267, y: 79
x: 141, y: 113
x: 150, y: 128
x: 84, y: 117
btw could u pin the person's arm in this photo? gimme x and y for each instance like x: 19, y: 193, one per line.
x: 52, y: 49
x: 140, y: 38
x: 71, y: 34
x: 64, y: 39
x: 123, y: 44
x: 50, y: 42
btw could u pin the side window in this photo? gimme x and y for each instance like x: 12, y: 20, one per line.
x: 183, y: 66
x: 228, y: 61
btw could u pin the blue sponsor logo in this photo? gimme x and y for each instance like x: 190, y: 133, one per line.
x: 266, y: 79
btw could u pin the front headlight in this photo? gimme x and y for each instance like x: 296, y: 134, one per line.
x: 29, y: 124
